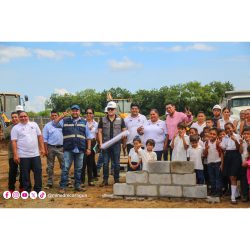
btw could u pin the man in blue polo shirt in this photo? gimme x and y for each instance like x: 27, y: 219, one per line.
x: 53, y: 144
x: 76, y: 142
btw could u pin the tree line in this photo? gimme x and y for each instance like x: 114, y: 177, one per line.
x: 193, y: 95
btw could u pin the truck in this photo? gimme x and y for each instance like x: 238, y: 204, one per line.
x: 236, y: 101
x: 8, y: 104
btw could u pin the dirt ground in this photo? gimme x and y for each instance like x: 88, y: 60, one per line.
x: 92, y: 198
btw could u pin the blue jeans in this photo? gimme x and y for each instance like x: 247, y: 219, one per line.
x: 100, y: 162
x: 215, y: 177
x: 199, y: 176
x: 69, y: 157
x: 112, y: 153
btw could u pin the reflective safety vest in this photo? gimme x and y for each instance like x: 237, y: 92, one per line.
x: 74, y: 134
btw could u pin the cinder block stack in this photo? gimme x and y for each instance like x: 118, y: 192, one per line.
x: 163, y: 179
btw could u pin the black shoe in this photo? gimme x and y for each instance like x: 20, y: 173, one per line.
x: 104, y: 183
x: 48, y: 186
x: 245, y: 199
x: 79, y: 189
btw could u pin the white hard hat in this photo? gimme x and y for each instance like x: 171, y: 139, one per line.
x: 111, y: 105
x: 19, y: 108
x: 217, y: 107
x: 106, y: 110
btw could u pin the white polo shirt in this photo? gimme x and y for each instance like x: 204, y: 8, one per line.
x: 195, y: 154
x: 134, y: 157
x: 228, y: 144
x: 132, y: 124
x: 179, y: 152
x: 26, y: 137
x: 213, y: 154
x: 156, y: 131
x: 199, y: 127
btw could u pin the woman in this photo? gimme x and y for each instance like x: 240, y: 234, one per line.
x: 225, y: 119
x: 246, y: 122
x: 89, y: 160
x: 155, y: 129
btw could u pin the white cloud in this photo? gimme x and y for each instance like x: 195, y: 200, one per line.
x: 200, y: 46
x: 94, y: 52
x: 36, y: 104
x: 8, y: 53
x: 52, y: 54
x: 87, y: 44
x: 125, y: 64
x: 115, y: 44
x: 61, y: 91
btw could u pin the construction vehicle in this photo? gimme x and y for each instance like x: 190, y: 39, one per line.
x: 8, y: 104
x: 236, y: 101
x: 123, y: 105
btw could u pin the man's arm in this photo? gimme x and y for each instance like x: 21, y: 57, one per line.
x: 100, y: 136
x: 41, y: 145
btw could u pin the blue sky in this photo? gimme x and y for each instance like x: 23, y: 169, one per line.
x: 39, y: 69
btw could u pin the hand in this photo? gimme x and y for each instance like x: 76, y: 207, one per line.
x: 16, y: 159
x: 241, y: 141
x: 88, y: 152
x: 140, y: 130
x: 188, y: 112
x: 64, y: 114
x: 43, y: 152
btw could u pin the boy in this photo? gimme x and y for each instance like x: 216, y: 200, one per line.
x: 194, y: 153
x: 180, y: 144
x: 214, y: 156
x: 134, y: 160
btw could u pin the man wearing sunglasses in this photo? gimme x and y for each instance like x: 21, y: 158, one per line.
x: 26, y: 140
x: 109, y: 127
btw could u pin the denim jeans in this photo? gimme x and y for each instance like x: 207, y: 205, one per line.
x: 215, y: 176
x: 13, y: 168
x: 199, y: 176
x: 100, y: 162
x: 112, y: 153
x: 69, y: 157
x: 31, y: 164
x: 159, y: 155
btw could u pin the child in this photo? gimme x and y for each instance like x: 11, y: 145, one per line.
x: 232, y: 161
x: 244, y: 180
x: 179, y: 144
x: 201, y: 122
x: 194, y: 131
x: 221, y: 134
x: 209, y: 122
x: 214, y: 156
x: 147, y: 155
x: 194, y: 153
x: 134, y: 160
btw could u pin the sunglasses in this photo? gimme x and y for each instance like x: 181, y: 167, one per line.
x: 110, y: 109
x: 89, y: 113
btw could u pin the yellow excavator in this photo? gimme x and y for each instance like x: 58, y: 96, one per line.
x: 9, y: 103
x: 123, y: 105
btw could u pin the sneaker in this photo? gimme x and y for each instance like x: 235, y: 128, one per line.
x: 48, y: 186
x: 70, y: 185
x: 80, y: 189
x: 83, y: 185
x: 234, y: 202
x: 104, y: 183
x: 61, y: 191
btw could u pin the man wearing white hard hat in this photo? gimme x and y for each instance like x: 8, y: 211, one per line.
x: 109, y: 127
x: 216, y: 114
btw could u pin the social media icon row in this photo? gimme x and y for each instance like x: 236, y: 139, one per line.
x: 24, y: 195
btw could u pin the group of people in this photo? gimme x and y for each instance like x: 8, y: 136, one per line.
x: 218, y: 146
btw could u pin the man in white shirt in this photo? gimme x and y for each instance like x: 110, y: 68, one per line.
x: 132, y: 123
x: 26, y: 140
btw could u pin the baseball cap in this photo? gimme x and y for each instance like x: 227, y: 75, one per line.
x: 217, y: 107
x: 75, y: 107
x: 106, y: 110
x: 111, y: 105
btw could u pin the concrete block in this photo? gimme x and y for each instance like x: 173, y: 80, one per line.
x: 158, y: 167
x: 164, y: 179
x: 198, y: 191
x: 134, y: 198
x: 123, y: 189
x: 137, y: 177
x: 112, y: 196
x: 182, y: 167
x: 211, y: 199
x: 184, y: 179
x: 143, y: 190
x: 170, y: 191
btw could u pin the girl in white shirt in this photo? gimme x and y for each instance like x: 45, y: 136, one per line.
x: 232, y: 161
x: 225, y: 119
x: 180, y: 144
x: 201, y: 122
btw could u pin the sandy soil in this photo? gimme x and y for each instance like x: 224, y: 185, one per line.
x: 92, y: 198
